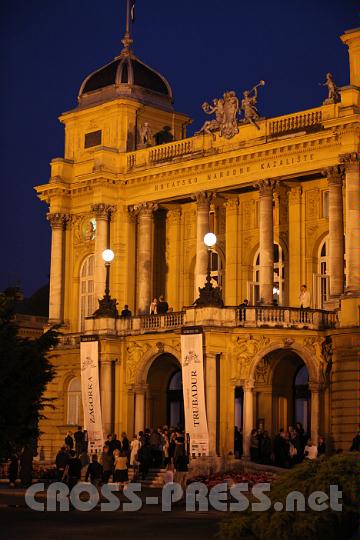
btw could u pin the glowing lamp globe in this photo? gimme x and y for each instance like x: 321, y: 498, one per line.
x: 210, y: 239
x: 108, y: 255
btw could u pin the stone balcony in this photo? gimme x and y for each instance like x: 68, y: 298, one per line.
x: 228, y: 317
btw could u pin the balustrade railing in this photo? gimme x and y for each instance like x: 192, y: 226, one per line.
x: 286, y: 317
x: 168, y: 320
x: 171, y: 150
x: 295, y: 122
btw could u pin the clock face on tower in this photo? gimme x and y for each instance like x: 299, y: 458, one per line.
x: 89, y: 229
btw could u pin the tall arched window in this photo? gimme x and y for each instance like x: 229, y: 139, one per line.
x: 74, y: 408
x: 279, y: 277
x: 321, y: 278
x: 87, y: 296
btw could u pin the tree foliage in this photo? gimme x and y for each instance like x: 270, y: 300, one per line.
x: 25, y: 371
x: 341, y: 470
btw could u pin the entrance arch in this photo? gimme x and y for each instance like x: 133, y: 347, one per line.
x: 164, y: 401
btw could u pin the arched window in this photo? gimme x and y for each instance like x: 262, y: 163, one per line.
x: 74, y: 408
x: 321, y: 277
x: 302, y: 397
x: 279, y: 277
x: 87, y: 296
x: 216, y: 269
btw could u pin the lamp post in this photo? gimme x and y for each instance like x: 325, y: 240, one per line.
x: 209, y: 241
x: 107, y: 305
x: 209, y: 296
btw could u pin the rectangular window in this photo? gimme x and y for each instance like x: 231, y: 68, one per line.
x: 92, y: 139
x: 325, y: 204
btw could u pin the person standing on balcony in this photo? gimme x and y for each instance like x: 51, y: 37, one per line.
x: 153, y: 307
x: 304, y: 297
x: 163, y: 306
x: 304, y: 301
x: 126, y: 311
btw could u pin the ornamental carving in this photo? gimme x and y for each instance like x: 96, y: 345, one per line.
x: 203, y: 198
x: 135, y: 354
x: 334, y: 174
x: 262, y: 370
x: 243, y: 349
x: 231, y: 205
x: 312, y: 205
x: 350, y: 161
x: 173, y: 217
x: 227, y: 109
x: 102, y: 211
x: 294, y: 195
x: 84, y: 228
x: 57, y: 220
x: 322, y: 349
x: 266, y: 187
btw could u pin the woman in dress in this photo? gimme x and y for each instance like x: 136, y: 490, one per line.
x: 120, y: 468
x: 153, y: 307
x: 134, y: 448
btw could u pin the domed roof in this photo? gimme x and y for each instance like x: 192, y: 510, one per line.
x: 126, y: 76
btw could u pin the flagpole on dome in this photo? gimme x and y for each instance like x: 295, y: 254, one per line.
x: 130, y: 16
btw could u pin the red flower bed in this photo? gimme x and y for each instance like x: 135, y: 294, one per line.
x: 231, y: 478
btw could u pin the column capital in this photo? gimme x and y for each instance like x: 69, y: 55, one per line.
x: 334, y: 174
x: 294, y: 194
x: 203, y: 198
x: 57, y: 220
x: 350, y: 161
x: 266, y: 187
x: 140, y: 388
x: 103, y: 211
x: 248, y: 386
x: 173, y: 216
x: 145, y: 209
x: 231, y: 203
x: 315, y: 387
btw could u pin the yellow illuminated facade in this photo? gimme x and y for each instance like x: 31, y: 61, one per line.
x: 283, y: 200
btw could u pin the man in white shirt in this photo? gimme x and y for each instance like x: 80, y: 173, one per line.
x: 310, y: 451
x: 304, y: 297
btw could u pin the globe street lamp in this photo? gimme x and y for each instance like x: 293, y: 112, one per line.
x: 209, y: 296
x: 107, y: 305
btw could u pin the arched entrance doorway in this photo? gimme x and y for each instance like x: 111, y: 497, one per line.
x: 281, y: 392
x: 165, y: 404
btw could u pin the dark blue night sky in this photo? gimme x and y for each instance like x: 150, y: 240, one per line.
x: 203, y: 47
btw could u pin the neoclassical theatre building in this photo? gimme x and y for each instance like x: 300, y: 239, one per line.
x: 282, y: 196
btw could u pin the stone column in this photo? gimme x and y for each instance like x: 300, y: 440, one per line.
x: 232, y: 289
x: 351, y: 39
x: 203, y: 200
x: 56, y: 298
x: 139, y: 409
x: 294, y: 199
x: 315, y: 410
x: 211, y: 399
x: 336, y: 231
x: 106, y: 394
x: 248, y: 416
x: 173, y: 245
x: 266, y: 225
x: 144, y: 254
x: 352, y: 209
x: 102, y: 214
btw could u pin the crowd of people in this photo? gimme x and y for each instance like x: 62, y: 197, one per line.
x: 286, y: 449
x: 152, y: 448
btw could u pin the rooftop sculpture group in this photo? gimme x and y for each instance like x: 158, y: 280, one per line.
x: 228, y: 108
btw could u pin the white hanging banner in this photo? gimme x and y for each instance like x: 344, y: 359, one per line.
x: 90, y: 391
x: 192, y: 364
